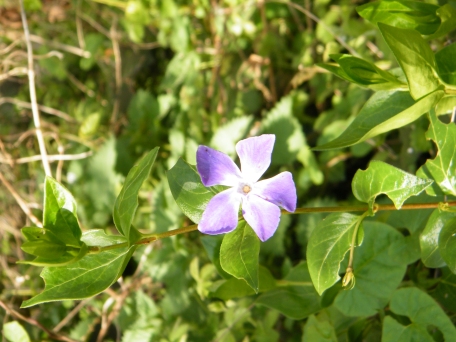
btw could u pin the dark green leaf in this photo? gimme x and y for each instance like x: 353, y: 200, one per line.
x: 415, y: 58
x: 319, y: 329
x: 127, y: 201
x: 383, y: 112
x: 447, y: 243
x: 446, y: 63
x: 239, y: 254
x: 212, y: 244
x: 188, y: 191
x: 55, y: 198
x: 295, y: 297
x: 403, y: 14
x: 381, y: 178
x: 429, y: 238
x: 378, y: 272
x: 445, y: 292
x: 327, y: 246
x: 423, y: 311
x: 237, y: 288
x: 441, y: 169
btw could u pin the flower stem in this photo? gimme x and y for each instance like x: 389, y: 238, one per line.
x: 148, y: 238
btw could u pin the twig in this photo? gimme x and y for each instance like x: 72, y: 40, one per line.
x: 68, y: 48
x: 80, y: 85
x: 19, y: 71
x: 94, y: 24
x: 20, y: 201
x: 79, y: 30
x: 42, y: 108
x: 71, y: 314
x: 51, y: 158
x: 9, y: 47
x: 34, y: 322
x: 118, y: 71
x: 31, y: 76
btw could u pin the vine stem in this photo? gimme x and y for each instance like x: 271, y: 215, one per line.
x: 364, y: 208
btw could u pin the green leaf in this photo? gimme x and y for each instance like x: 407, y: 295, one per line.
x: 226, y: 137
x: 56, y: 197
x: 378, y: 272
x: 295, y: 297
x: 287, y: 129
x: 429, y: 238
x: 447, y: 243
x: 403, y: 14
x: 415, y: 58
x: 239, y: 254
x: 188, y: 191
x: 319, y: 329
x: 237, y: 288
x: 364, y: 73
x: 441, y: 168
x: 381, y: 178
x: 127, y: 201
x: 423, y: 311
x: 14, y: 332
x: 447, y: 15
x: 446, y: 63
x: 383, y: 112
x: 445, y: 292
x: 212, y: 244
x: 328, y: 244
x: 89, y: 276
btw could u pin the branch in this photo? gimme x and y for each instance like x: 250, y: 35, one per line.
x: 31, y: 77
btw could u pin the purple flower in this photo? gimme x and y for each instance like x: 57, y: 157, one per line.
x: 259, y: 200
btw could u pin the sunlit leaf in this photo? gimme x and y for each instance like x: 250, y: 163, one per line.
x: 327, y: 246
x: 14, y: 332
x: 447, y: 14
x: 127, y: 201
x: 381, y: 178
x: 415, y: 57
x: 441, y: 169
x: 239, y: 254
x: 383, y: 112
x: 447, y: 63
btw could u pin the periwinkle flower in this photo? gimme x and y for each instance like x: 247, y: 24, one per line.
x: 259, y: 199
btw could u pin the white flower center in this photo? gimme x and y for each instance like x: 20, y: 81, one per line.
x: 244, y: 188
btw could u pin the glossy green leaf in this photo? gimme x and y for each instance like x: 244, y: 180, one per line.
x: 383, y: 112
x: 415, y: 58
x: 189, y: 193
x: 319, y: 329
x: 328, y: 244
x: 378, y: 272
x: 56, y: 197
x: 447, y: 14
x: 295, y: 296
x: 239, y: 254
x: 237, y: 288
x: 429, y: 238
x: 447, y: 243
x: 89, y: 276
x: 446, y: 63
x: 423, y: 311
x: 403, y: 14
x: 441, y: 169
x: 363, y: 73
x: 381, y: 178
x: 14, y: 332
x: 127, y: 201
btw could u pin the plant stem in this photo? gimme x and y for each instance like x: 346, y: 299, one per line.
x: 377, y: 207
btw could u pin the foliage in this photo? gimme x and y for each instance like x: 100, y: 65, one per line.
x: 361, y: 100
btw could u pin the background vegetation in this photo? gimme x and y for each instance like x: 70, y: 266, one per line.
x: 115, y: 79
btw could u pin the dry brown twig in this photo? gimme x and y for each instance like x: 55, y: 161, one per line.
x: 33, y: 101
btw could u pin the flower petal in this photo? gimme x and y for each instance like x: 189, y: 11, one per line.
x: 221, y: 214
x: 255, y: 155
x: 261, y: 215
x: 279, y: 190
x: 216, y: 168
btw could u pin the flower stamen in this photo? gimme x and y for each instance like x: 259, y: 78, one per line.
x: 246, y: 189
